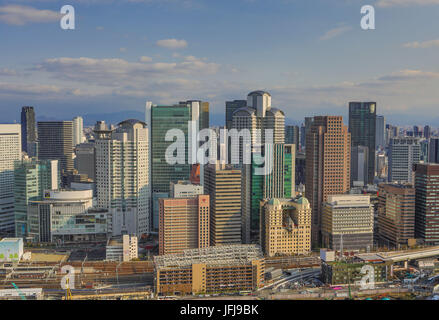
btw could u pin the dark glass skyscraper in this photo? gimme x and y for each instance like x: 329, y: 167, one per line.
x: 362, y: 126
x: 231, y: 107
x: 28, y: 128
x: 55, y: 143
x: 292, y: 135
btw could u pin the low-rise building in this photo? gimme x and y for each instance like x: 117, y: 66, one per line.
x: 11, y: 249
x: 66, y: 215
x: 219, y: 269
x: 352, y: 270
x: 122, y: 249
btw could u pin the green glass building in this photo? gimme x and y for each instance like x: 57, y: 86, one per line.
x: 31, y: 178
x: 279, y: 183
x: 160, y: 119
x: 362, y: 126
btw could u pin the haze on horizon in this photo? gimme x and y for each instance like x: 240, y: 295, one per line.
x: 312, y: 56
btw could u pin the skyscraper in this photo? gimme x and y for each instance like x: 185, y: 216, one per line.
x: 380, y: 131
x: 362, y: 126
x: 427, y: 203
x: 396, y: 214
x: 258, y: 117
x: 433, y: 154
x: 85, y: 159
x: 10, y: 151
x: 328, y: 165
x: 416, y: 131
x: 184, y: 224
x: 28, y: 130
x: 403, y: 154
x: 292, y: 136
x: 122, y: 176
x: 427, y: 132
x: 32, y: 179
x: 277, y: 182
x: 162, y: 119
x: 223, y: 185
x: 78, y: 127
x: 359, y: 165
x: 55, y: 142
x: 231, y: 107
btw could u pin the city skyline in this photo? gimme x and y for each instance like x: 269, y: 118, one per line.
x: 309, y: 56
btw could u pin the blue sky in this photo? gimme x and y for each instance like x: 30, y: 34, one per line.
x: 311, y: 55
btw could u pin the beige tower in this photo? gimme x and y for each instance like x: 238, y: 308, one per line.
x: 328, y: 150
x: 223, y: 184
x: 183, y: 224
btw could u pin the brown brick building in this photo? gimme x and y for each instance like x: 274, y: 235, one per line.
x: 183, y: 224
x: 396, y: 214
x: 328, y: 153
x: 427, y: 203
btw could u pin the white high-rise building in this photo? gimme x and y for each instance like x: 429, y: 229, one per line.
x: 403, y: 154
x: 257, y: 117
x: 78, y: 128
x: 10, y: 151
x: 122, y: 176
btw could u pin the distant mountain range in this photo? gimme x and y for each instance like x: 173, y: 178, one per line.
x: 116, y: 117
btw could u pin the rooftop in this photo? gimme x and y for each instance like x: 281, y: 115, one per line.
x: 221, y: 255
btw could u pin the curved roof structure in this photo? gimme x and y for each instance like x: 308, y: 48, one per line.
x: 132, y: 122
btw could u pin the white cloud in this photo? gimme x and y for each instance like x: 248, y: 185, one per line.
x: 145, y: 59
x: 423, y: 44
x: 7, y: 72
x: 332, y: 33
x: 172, y: 43
x: 20, y: 15
x: 405, y: 3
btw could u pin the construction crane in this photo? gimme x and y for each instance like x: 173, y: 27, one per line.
x: 22, y: 296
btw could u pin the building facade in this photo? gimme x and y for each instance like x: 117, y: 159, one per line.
x: 427, y: 203
x: 348, y: 222
x: 362, y: 126
x: 328, y: 165
x: 55, y: 142
x: 28, y: 130
x: 184, y: 224
x: 10, y: 151
x: 223, y: 185
x: 66, y: 216
x: 31, y: 179
x: 403, y: 154
x: 285, y: 226
x: 122, y: 176
x: 396, y: 214
x: 78, y: 131
x: 221, y: 269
